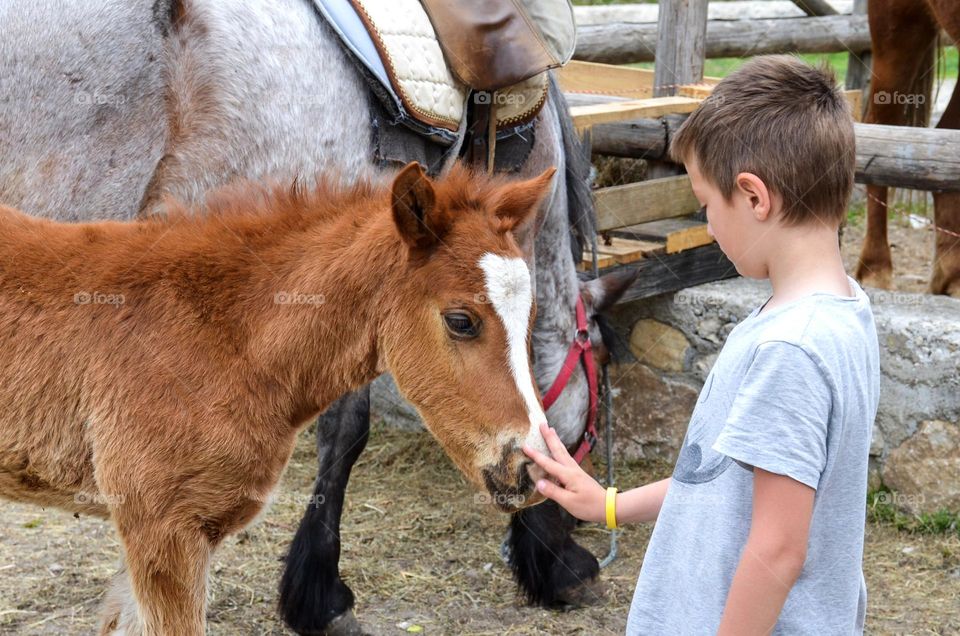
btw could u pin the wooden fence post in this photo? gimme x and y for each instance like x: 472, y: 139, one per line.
x: 858, y: 64
x: 681, y: 43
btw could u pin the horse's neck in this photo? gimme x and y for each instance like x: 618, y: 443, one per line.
x: 557, y: 290
x: 323, y: 311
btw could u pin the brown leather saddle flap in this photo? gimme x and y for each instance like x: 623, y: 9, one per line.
x: 490, y: 44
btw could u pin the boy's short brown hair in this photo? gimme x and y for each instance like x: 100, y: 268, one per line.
x: 784, y: 121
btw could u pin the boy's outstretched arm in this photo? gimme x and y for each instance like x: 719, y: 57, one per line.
x: 773, y: 556
x: 582, y: 496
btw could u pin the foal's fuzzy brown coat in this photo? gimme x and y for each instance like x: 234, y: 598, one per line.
x: 157, y: 372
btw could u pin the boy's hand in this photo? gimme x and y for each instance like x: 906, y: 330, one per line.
x: 575, y: 490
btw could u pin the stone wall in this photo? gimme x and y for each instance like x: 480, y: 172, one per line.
x: 916, y: 437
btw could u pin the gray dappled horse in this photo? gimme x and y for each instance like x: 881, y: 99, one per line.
x: 109, y: 107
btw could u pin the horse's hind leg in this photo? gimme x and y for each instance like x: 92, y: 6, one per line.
x: 946, y: 206
x: 902, y: 37
x: 548, y: 565
x: 313, y: 598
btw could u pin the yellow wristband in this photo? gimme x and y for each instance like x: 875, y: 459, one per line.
x: 612, y: 508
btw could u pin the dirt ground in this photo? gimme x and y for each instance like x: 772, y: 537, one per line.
x: 418, y: 550
x: 911, y: 249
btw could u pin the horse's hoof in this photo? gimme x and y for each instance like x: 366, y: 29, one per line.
x: 584, y: 594
x: 345, y: 625
x: 874, y: 277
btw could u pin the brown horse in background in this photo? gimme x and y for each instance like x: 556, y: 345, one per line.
x: 157, y: 372
x: 905, y: 36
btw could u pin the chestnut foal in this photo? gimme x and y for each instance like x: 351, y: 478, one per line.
x: 157, y: 372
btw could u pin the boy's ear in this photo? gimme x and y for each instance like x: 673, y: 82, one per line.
x: 519, y: 205
x: 419, y: 220
x: 755, y: 191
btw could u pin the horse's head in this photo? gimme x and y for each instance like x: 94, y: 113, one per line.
x: 457, y: 337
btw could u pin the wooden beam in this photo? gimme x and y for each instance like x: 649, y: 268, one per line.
x: 634, y: 203
x: 586, y: 116
x: 896, y: 156
x: 728, y: 10
x: 624, y: 43
x: 815, y: 8
x: 661, y: 274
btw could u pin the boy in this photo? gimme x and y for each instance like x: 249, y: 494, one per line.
x: 760, y: 528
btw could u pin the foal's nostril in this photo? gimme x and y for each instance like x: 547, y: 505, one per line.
x: 533, y: 474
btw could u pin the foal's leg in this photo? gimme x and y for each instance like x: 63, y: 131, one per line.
x: 167, y: 569
x: 120, y: 616
x: 313, y: 598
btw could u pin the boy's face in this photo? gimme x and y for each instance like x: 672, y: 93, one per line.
x: 741, y: 226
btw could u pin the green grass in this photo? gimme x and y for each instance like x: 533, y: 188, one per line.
x: 881, y: 509
x: 723, y: 66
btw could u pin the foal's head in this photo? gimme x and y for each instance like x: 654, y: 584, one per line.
x: 457, y: 337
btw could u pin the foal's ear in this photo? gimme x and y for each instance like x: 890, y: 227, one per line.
x: 420, y: 223
x: 519, y: 202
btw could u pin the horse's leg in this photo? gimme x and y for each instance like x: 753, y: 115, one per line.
x: 946, y: 206
x: 548, y: 565
x: 551, y: 569
x: 167, y: 568
x: 897, y: 59
x: 313, y: 598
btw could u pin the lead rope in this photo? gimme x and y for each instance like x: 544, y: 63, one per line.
x: 607, y: 418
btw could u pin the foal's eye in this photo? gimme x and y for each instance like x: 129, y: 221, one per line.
x: 461, y: 325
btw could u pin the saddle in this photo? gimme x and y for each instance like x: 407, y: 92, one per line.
x: 425, y: 60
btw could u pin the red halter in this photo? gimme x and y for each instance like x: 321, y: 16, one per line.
x: 580, y: 349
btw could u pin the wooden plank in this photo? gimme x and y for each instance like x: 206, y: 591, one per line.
x: 677, y: 234
x: 617, y: 250
x: 681, y: 35
x: 625, y: 43
x: 685, y: 239
x: 633, y: 203
x: 661, y: 274
x: 586, y: 116
x: 625, y: 250
x: 603, y: 261
x: 606, y: 79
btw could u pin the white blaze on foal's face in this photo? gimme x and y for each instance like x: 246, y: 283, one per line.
x: 511, y: 293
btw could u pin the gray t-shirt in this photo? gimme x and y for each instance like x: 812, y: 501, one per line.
x: 794, y: 391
